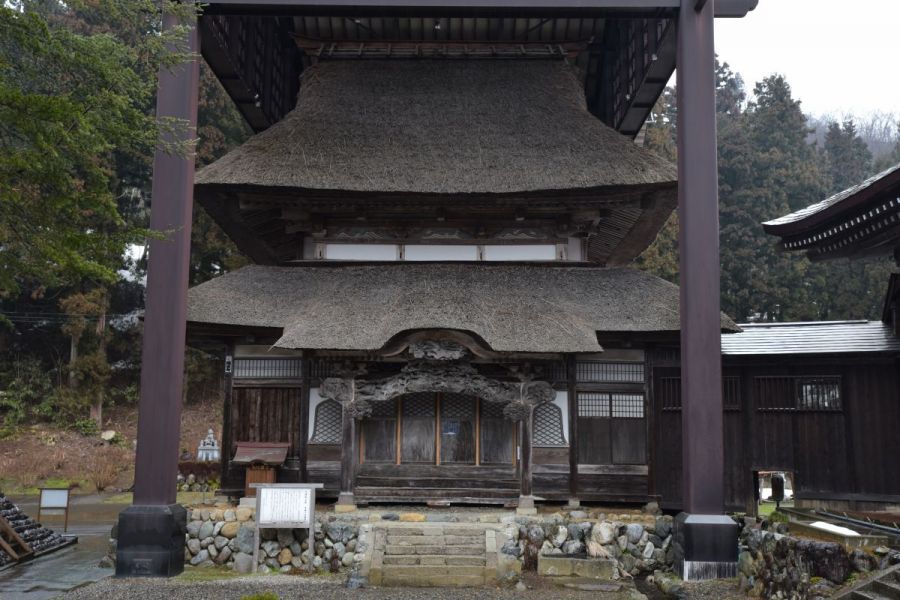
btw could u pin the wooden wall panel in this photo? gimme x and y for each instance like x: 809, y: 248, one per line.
x: 872, y: 407
x: 266, y: 414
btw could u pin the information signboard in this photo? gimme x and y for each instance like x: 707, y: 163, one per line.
x: 284, y: 506
x: 54, y: 501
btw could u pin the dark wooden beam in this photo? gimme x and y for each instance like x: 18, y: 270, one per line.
x: 303, y: 442
x: 226, y: 481
x: 162, y: 365
x: 348, y: 458
x: 572, y: 393
x: 526, y: 499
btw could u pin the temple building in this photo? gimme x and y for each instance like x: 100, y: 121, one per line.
x: 441, y: 203
x: 440, y: 309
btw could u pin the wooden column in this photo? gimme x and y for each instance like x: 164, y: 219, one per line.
x: 348, y: 459
x: 303, y: 439
x: 698, y: 217
x: 227, y: 419
x: 162, y: 362
x: 706, y: 540
x: 526, y: 497
x: 152, y: 529
x: 571, y: 391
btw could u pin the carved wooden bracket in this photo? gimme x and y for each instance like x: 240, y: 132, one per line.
x: 357, y: 395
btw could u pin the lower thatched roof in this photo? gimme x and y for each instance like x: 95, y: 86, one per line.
x: 439, y: 127
x: 513, y: 308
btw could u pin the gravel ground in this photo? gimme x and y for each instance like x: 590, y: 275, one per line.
x: 291, y: 588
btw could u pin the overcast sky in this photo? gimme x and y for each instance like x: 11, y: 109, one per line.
x: 839, y: 56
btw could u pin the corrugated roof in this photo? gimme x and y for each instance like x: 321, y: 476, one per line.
x: 831, y: 201
x: 819, y: 337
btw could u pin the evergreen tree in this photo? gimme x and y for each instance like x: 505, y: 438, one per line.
x: 847, y: 158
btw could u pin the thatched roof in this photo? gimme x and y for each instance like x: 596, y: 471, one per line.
x: 513, y: 308
x: 439, y: 127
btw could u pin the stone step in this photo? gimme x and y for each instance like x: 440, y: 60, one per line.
x: 434, y: 571
x: 887, y: 588
x: 868, y: 595
x: 444, y: 540
x: 434, y: 560
x: 436, y: 550
x: 422, y: 580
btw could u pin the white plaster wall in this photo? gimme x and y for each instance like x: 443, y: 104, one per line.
x: 314, y: 400
x: 562, y: 401
x: 416, y: 252
x: 362, y: 252
x: 575, y: 249
x: 521, y: 252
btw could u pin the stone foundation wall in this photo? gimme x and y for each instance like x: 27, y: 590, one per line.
x: 773, y: 564
x: 224, y: 536
x: 639, y: 545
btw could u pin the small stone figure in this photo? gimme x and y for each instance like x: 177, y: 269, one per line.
x: 209, y: 448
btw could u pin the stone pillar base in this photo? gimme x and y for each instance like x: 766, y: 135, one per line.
x: 574, y: 503
x: 526, y: 506
x: 345, y: 503
x: 151, y: 541
x: 705, y: 547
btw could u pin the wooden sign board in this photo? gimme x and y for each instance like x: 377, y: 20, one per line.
x: 284, y: 506
x: 54, y: 501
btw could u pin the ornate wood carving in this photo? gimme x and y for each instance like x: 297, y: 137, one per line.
x: 437, y: 350
x: 357, y: 395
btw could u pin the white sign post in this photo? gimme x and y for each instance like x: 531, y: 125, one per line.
x: 284, y: 506
x: 52, y: 501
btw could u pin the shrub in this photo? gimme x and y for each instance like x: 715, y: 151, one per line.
x: 262, y: 596
x: 103, y: 468
x: 86, y: 427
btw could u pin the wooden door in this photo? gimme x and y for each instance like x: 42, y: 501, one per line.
x: 417, y: 429
x: 612, y: 428
x: 497, y: 435
x: 379, y: 433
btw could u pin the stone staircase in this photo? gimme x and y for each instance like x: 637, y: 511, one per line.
x: 882, y: 587
x: 433, y: 554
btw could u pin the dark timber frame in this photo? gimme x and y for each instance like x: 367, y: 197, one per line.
x: 152, y: 530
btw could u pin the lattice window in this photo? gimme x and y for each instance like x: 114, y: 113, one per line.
x: 267, y: 368
x: 731, y: 392
x: 418, y: 405
x: 384, y: 410
x: 593, y: 404
x: 491, y: 410
x: 548, y: 425
x: 610, y: 372
x: 327, y: 429
x: 627, y: 406
x: 819, y: 393
x: 669, y: 393
x: 457, y: 406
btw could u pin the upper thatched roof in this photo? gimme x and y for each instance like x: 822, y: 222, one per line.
x: 513, y: 308
x: 439, y: 127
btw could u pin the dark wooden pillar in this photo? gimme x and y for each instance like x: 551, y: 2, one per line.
x: 151, y: 532
x: 526, y: 495
x: 706, y: 540
x: 348, y: 461
x: 701, y: 363
x: 303, y: 439
x: 572, y: 394
x: 227, y: 418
